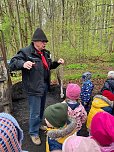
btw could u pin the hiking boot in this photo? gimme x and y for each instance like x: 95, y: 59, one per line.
x: 36, y: 140
x: 43, y: 128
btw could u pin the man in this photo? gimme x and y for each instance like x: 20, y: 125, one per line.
x: 35, y: 63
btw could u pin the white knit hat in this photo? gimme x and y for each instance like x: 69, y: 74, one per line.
x: 111, y: 74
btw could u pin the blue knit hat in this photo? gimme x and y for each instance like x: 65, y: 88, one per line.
x: 11, y: 134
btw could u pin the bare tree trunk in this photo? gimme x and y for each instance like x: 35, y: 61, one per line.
x: 111, y: 40
x: 13, y: 25
x: 5, y: 81
x: 19, y: 25
x: 63, y: 17
x: 39, y: 14
x: 28, y: 16
x: 52, y: 34
x: 24, y: 26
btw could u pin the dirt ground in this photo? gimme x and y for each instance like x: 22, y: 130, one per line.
x: 21, y: 113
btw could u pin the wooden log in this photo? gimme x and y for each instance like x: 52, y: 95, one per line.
x: 5, y: 89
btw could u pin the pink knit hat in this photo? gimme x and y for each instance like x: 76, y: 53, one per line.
x: 80, y: 144
x: 73, y: 91
x: 102, y: 128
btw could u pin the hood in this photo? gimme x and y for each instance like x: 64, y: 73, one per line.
x: 100, y: 101
x: 60, y: 133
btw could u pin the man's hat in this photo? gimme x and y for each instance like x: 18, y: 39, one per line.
x: 39, y: 35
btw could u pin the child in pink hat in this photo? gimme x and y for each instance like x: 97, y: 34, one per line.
x: 102, y: 130
x: 101, y: 139
x: 75, y: 108
x: 80, y: 144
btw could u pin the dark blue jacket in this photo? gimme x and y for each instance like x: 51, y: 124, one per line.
x: 86, y: 91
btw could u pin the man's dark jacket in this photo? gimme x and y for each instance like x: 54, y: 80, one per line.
x: 35, y: 78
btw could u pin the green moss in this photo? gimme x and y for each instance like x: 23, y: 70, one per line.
x: 72, y: 77
x: 76, y: 66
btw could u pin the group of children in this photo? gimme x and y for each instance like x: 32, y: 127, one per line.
x: 101, y: 137
x: 65, y: 120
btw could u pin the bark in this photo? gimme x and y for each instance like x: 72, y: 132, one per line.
x: 28, y: 17
x: 5, y: 81
x: 19, y: 24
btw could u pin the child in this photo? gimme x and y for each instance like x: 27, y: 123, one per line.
x: 80, y: 144
x: 102, y: 130
x: 56, y: 118
x: 86, y: 90
x: 11, y: 134
x: 75, y: 108
x: 108, y: 87
x: 99, y: 103
x: 101, y: 139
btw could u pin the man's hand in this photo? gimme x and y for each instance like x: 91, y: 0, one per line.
x: 28, y: 65
x: 61, y: 61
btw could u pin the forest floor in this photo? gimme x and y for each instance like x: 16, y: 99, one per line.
x: 21, y: 113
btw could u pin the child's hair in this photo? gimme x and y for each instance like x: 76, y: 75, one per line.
x: 111, y: 74
x: 56, y: 114
x: 102, y: 128
x: 80, y: 144
x: 86, y: 76
x: 73, y: 91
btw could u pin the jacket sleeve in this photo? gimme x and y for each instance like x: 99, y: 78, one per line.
x: 62, y: 132
x: 83, y: 115
x: 54, y: 65
x: 17, y: 61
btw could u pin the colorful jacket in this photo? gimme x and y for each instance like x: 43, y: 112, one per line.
x: 99, y: 103
x: 77, y: 112
x: 86, y: 91
x: 56, y: 137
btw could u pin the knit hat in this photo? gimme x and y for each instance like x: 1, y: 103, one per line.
x: 111, y: 74
x: 102, y: 128
x: 11, y: 134
x: 80, y: 144
x: 56, y: 114
x: 86, y: 76
x: 73, y: 91
x: 39, y: 35
x: 108, y: 94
